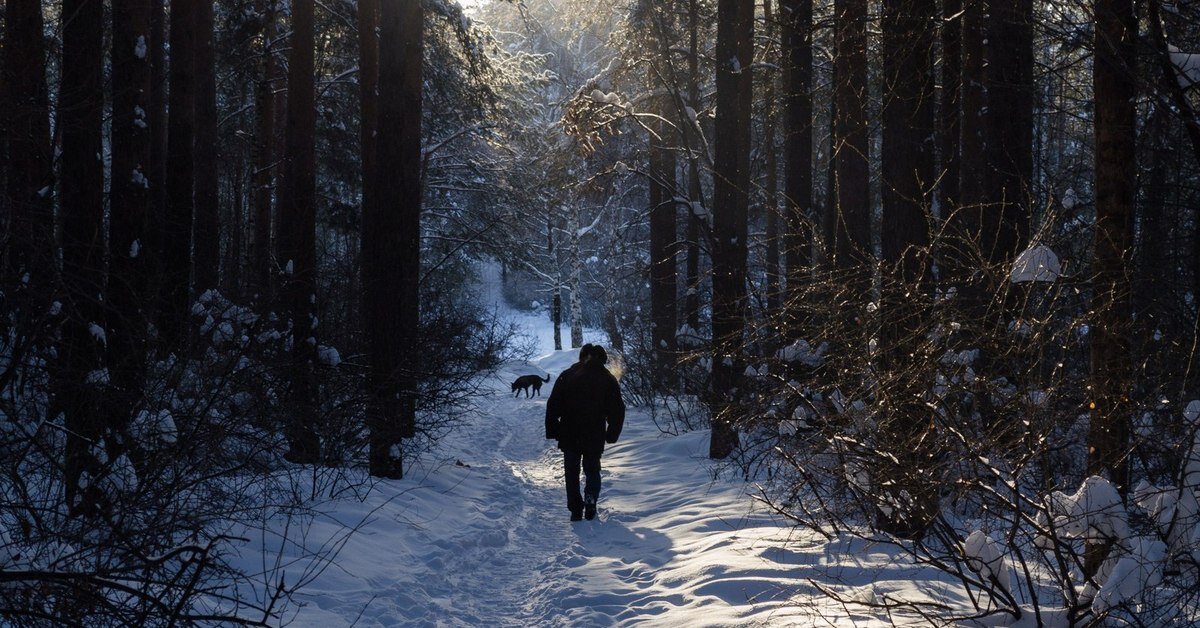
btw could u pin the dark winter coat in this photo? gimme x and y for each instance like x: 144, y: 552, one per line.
x: 585, y: 409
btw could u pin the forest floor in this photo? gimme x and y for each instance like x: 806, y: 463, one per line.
x: 479, y: 535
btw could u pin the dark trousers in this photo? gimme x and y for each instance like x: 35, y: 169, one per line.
x: 591, y: 471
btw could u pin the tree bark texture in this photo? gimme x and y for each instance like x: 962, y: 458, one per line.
x: 206, y: 197
x: 297, y: 232
x: 29, y: 177
x: 263, y: 153
x: 848, y: 235
x: 392, y: 236
x: 1010, y: 129
x: 1115, y: 132
x: 949, y: 113
x: 176, y: 240
x: 909, y: 33
x: 128, y: 277
x: 797, y: 130
x: 81, y: 108
x: 663, y: 237
x: 731, y: 200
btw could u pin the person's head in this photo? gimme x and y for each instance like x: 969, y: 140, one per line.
x: 598, y: 355
x: 585, y: 353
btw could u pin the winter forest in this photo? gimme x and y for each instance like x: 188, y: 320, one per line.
x: 902, y: 296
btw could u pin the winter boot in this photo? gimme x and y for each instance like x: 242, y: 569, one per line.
x: 576, y: 515
x: 589, y: 508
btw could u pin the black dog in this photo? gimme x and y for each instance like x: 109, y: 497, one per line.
x: 525, y: 382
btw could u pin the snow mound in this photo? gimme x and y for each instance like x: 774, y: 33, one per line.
x: 1037, y: 263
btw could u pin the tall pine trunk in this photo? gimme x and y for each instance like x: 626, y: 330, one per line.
x: 967, y: 219
x: 207, y: 261
x: 797, y: 141
x: 909, y: 31
x: 297, y: 232
x: 771, y: 178
x: 731, y: 201
x: 130, y: 186
x: 262, y: 154
x: 29, y: 177
x: 81, y: 108
x: 1115, y: 91
x: 556, y: 290
x: 695, y: 189
x: 1010, y: 128
x: 574, y: 279
x: 392, y: 237
x: 848, y: 227
x: 662, y: 215
x: 156, y: 168
x: 176, y: 241
x: 949, y: 114
x: 368, y: 94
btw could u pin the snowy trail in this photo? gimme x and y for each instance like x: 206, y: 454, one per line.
x: 479, y: 534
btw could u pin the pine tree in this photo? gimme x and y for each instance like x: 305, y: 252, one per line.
x: 797, y: 18
x: 1115, y: 132
x: 176, y: 238
x: 909, y: 31
x: 297, y: 234
x: 81, y: 376
x: 731, y: 201
x: 1009, y: 128
x: 262, y: 155
x: 206, y: 233
x: 128, y: 276
x: 848, y: 226
x: 29, y: 177
x: 662, y: 211
x: 392, y: 237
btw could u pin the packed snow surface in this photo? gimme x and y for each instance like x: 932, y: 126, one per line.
x: 477, y: 534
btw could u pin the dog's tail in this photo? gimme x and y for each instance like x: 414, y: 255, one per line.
x: 547, y: 380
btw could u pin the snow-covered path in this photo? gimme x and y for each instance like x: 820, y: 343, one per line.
x: 479, y: 535
x: 488, y: 542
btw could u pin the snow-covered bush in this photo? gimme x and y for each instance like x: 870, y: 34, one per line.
x: 147, y: 536
x: 951, y: 421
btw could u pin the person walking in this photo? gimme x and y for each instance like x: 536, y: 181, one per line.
x: 585, y: 410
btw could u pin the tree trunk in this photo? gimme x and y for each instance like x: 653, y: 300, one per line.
x: 950, y: 116
x: 263, y: 154
x: 235, y: 229
x: 662, y: 223
x: 392, y: 236
x: 297, y: 231
x: 731, y: 201
x: 797, y: 141
x: 574, y: 279
x: 556, y: 317
x: 5, y: 208
x: 81, y: 108
x: 30, y: 178
x: 368, y: 94
x: 1115, y: 92
x: 908, y: 132
x: 967, y: 219
x: 909, y: 31
x: 1010, y: 128
x: 206, y: 197
x: 849, y: 235
x: 695, y: 191
x: 129, y: 207
x: 156, y: 169
x: 177, y: 222
x: 556, y: 291
x: 771, y: 179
